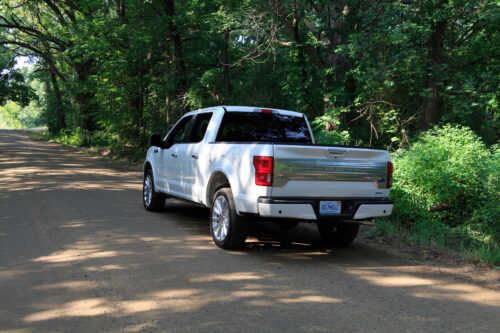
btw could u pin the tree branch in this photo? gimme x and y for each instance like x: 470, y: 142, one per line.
x: 40, y: 53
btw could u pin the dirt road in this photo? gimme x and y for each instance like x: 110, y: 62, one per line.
x: 78, y: 253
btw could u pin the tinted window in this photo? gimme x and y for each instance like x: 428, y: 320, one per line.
x: 179, y: 132
x: 200, y: 127
x: 267, y: 127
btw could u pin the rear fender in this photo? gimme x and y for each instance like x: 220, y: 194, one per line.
x: 221, y: 167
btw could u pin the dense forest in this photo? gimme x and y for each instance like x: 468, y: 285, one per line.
x: 366, y: 72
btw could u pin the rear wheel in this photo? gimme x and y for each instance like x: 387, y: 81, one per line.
x: 152, y: 201
x: 228, y: 230
x: 338, y: 233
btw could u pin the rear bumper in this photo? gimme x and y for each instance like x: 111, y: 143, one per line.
x: 352, y: 209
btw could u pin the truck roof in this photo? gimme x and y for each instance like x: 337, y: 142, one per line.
x: 236, y: 108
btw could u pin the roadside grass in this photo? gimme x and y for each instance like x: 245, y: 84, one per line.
x: 125, y: 155
x: 443, y: 239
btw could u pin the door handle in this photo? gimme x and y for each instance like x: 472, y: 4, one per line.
x: 155, y: 150
x: 174, y: 155
x: 195, y: 156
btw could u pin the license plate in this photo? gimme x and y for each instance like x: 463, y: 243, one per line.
x: 329, y: 207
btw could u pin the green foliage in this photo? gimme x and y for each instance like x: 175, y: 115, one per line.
x: 444, y: 168
x: 333, y: 135
x: 13, y: 86
x: 9, y: 115
x: 367, y: 72
x: 14, y: 116
x: 74, y: 138
x: 408, y: 55
x: 446, y: 189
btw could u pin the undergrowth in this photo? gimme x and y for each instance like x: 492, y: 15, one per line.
x: 447, y: 193
x: 99, y: 141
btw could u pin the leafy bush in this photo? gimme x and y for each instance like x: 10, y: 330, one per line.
x: 333, y: 136
x: 71, y: 138
x: 101, y: 139
x: 446, y: 189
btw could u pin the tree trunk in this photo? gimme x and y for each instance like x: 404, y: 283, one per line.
x: 84, y: 96
x: 433, y: 105
x: 59, y: 113
x: 168, y: 97
x: 53, y: 127
x: 120, y: 9
x: 225, y: 65
x: 302, y: 62
x: 178, y: 56
x: 433, y: 102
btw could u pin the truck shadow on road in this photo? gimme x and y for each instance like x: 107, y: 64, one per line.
x: 269, y: 239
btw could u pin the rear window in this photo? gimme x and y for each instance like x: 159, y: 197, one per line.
x: 263, y: 127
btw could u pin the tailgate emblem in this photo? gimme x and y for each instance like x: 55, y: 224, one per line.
x: 335, y: 153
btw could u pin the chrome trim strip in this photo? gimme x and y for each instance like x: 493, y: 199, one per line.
x: 286, y: 170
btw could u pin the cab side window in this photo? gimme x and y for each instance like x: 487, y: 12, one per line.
x: 180, y: 132
x: 200, y: 127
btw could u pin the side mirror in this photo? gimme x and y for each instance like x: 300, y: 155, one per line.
x: 155, y: 140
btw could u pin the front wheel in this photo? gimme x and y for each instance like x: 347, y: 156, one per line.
x: 338, y: 233
x: 228, y: 229
x: 152, y: 200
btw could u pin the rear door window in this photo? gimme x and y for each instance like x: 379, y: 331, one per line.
x: 200, y: 127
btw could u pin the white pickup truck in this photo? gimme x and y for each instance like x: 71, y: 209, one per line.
x: 248, y: 162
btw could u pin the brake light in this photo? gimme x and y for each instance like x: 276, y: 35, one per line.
x: 389, y: 174
x: 263, y: 170
x: 266, y: 111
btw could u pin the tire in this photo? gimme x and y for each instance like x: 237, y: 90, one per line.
x: 152, y: 200
x: 339, y: 234
x: 229, y: 231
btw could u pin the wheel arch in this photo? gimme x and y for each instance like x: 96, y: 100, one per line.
x: 148, y: 165
x: 217, y: 180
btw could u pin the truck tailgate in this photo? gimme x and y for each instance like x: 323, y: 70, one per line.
x: 314, y: 171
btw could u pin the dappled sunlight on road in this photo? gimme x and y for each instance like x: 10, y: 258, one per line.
x: 81, y: 308
x: 104, y: 268
x: 38, y: 169
x: 228, y: 277
x: 9, y: 274
x: 309, y: 299
x: 270, y: 285
x: 160, y: 240
x: 424, y: 287
x: 80, y: 253
x: 82, y: 284
x: 173, y: 301
x: 73, y: 224
x: 382, y: 276
x: 464, y: 292
x: 182, y: 300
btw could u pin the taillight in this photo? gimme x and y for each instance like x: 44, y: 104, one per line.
x: 389, y: 174
x: 263, y: 170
